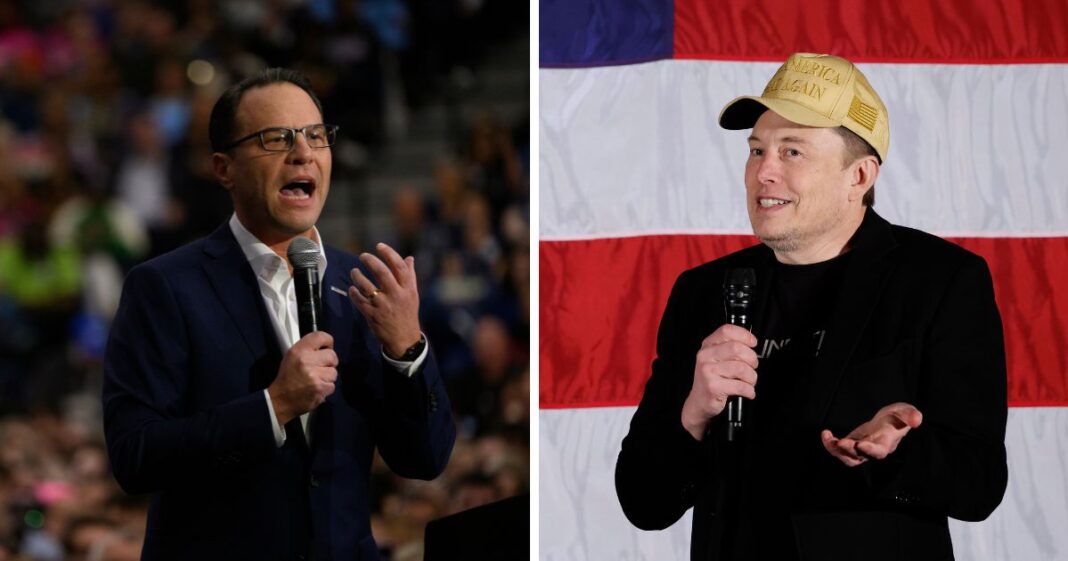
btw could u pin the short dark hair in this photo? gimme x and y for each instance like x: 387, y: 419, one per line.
x: 855, y: 149
x: 221, y: 125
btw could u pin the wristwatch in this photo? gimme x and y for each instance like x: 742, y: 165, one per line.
x: 413, y: 351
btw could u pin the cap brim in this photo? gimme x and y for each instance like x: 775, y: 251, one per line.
x: 743, y: 112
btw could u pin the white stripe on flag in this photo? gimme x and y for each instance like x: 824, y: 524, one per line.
x: 580, y: 517
x: 975, y: 150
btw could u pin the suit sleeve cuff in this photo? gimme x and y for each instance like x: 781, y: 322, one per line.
x: 279, y: 433
x: 405, y: 367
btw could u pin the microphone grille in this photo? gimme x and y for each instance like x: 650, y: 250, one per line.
x: 740, y: 277
x: 303, y: 253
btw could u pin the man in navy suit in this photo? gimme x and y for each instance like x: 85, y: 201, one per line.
x: 255, y: 442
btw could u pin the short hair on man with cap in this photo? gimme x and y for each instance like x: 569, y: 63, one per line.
x: 855, y: 149
x: 867, y: 402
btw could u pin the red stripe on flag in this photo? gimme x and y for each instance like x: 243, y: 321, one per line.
x: 601, y: 302
x: 600, y: 306
x: 953, y: 31
x: 1030, y: 282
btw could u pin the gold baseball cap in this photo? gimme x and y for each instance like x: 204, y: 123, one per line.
x: 817, y: 91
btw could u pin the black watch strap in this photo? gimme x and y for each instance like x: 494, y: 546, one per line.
x: 413, y: 351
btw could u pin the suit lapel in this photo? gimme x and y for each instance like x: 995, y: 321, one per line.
x: 862, y: 287
x: 337, y: 312
x: 337, y: 308
x: 235, y: 286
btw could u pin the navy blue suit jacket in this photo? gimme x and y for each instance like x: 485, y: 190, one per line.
x: 191, y: 349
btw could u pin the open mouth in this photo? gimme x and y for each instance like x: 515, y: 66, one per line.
x: 298, y: 189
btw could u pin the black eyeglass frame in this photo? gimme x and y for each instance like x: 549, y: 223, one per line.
x: 329, y: 130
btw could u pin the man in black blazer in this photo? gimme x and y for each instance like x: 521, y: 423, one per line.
x: 256, y: 442
x: 874, y: 375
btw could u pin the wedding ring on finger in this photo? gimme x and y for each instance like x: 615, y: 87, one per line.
x: 373, y: 294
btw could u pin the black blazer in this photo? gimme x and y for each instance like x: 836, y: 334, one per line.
x: 915, y: 321
x: 185, y: 418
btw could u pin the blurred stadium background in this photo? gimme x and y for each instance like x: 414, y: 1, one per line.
x: 104, y: 162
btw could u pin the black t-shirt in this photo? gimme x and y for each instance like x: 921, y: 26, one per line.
x: 777, y: 450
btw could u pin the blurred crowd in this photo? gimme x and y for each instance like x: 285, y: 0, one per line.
x: 104, y: 162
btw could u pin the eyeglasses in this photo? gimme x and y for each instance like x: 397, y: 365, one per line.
x: 281, y: 139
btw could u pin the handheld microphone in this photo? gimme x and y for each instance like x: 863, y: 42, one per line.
x: 737, y: 297
x: 303, y: 255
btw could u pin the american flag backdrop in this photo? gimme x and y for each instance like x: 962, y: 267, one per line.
x: 638, y: 183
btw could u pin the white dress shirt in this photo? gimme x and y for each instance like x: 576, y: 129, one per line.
x: 276, y: 287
